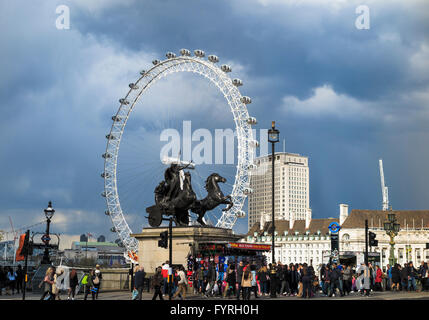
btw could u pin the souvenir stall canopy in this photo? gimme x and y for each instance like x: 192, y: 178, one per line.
x: 223, y: 253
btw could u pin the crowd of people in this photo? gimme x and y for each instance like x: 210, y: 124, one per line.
x: 245, y: 280
x: 11, y: 280
x: 52, y: 283
x: 241, y: 280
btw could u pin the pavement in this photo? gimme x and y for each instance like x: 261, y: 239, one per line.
x: 126, y: 295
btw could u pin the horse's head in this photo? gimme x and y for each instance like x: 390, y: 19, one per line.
x: 214, y: 178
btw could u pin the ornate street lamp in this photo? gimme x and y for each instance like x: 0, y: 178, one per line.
x: 392, y: 229
x: 273, y: 138
x: 49, y: 213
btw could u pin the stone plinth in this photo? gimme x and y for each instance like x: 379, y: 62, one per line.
x: 185, y: 240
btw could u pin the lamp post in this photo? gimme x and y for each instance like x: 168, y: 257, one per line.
x: 392, y: 229
x: 49, y: 213
x: 273, y: 138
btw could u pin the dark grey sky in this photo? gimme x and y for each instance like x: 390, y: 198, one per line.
x: 342, y: 96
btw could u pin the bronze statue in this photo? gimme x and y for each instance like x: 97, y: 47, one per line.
x: 172, y: 200
x: 214, y: 198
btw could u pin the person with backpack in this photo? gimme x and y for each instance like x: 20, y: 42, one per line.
x: 88, y: 284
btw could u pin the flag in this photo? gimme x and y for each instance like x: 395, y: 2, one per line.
x: 19, y: 256
x: 89, y: 235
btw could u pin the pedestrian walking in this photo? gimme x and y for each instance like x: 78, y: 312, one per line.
x: 246, y: 283
x: 97, y: 280
x: 365, y: 279
x: 273, y: 280
x: 19, y: 278
x: 200, y: 276
x: 378, y: 279
x: 47, y: 283
x: 211, y: 279
x: 254, y: 280
x: 182, y: 284
x: 396, y: 277
x: 411, y: 275
x: 347, y: 280
x: 334, y: 276
x: 239, y: 279
x: 2, y: 280
x: 263, y: 280
x: 294, y: 280
x: 57, y: 283
x: 73, y: 282
x: 404, y: 277
x: 157, y: 282
x: 424, y: 276
x: 88, y: 283
x: 11, y: 281
x: 165, y: 269
x: 389, y: 281
x: 306, y: 280
x: 139, y: 279
x: 231, y: 279
x: 326, y: 280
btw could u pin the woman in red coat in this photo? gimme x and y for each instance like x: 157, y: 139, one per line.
x: 378, y: 279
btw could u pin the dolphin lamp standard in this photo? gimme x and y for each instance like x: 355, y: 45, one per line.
x: 49, y: 213
x: 273, y: 138
x: 392, y: 229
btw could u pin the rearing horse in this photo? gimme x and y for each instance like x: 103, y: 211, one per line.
x: 214, y: 198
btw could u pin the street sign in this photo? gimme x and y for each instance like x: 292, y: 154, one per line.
x: 45, y: 238
x: 334, y: 227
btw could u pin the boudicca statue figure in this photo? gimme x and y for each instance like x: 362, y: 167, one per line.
x: 174, y: 197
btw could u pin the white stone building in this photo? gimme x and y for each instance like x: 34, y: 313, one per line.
x: 291, y: 187
x: 410, y: 243
x: 308, y: 241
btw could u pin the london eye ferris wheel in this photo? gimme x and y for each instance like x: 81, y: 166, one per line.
x: 246, y: 144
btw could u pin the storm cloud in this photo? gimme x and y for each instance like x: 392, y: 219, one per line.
x: 344, y: 97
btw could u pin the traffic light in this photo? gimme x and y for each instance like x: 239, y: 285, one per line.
x: 163, y: 243
x: 372, y: 241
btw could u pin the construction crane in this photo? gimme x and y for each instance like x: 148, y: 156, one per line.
x: 15, y: 236
x: 384, y: 189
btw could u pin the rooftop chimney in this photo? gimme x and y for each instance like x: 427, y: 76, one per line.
x: 291, y: 219
x: 307, y: 218
x: 344, y: 213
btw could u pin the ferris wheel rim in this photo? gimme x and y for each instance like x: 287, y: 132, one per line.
x: 243, y: 129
